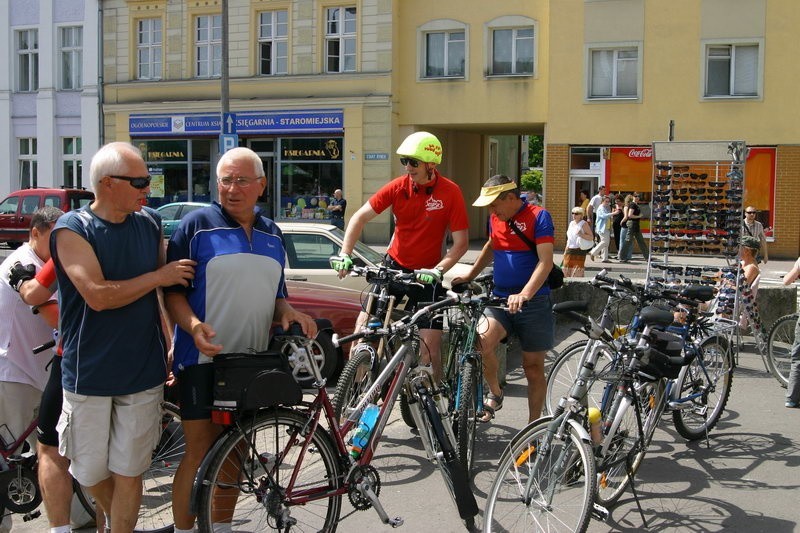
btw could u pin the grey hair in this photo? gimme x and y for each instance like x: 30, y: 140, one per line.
x: 245, y: 153
x: 44, y: 217
x: 110, y: 160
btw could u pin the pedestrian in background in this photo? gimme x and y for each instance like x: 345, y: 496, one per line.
x: 602, y: 229
x: 336, y: 209
x: 594, y: 205
x: 617, y: 214
x: 631, y: 230
x: 754, y: 228
x: 580, y: 240
x: 793, y: 388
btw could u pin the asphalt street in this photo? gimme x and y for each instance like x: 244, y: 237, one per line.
x: 746, y: 479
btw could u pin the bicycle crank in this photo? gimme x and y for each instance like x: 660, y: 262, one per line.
x: 369, y: 475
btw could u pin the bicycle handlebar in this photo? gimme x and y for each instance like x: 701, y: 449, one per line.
x: 42, y: 347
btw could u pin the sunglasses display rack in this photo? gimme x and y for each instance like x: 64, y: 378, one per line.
x: 697, y: 197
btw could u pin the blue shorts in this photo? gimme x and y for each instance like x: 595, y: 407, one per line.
x: 533, y: 324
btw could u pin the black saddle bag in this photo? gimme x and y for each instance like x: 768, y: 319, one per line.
x: 247, y: 381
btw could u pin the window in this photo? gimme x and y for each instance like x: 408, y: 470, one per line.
x: 614, y: 73
x: 340, y: 39
x: 732, y: 70
x: 273, y: 49
x: 27, y: 60
x: 71, y: 52
x: 444, y: 54
x: 27, y: 163
x: 512, y: 51
x: 72, y: 163
x: 9, y: 206
x: 208, y: 46
x: 148, y: 49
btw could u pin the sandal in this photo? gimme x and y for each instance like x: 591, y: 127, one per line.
x: 488, y: 410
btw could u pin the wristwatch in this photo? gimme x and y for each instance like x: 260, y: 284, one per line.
x: 441, y: 270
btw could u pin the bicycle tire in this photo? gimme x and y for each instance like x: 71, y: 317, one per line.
x: 466, y: 414
x: 405, y: 411
x: 155, y: 511
x: 455, y: 476
x: 565, y: 370
x: 717, y: 359
x: 271, y: 442
x: 779, y: 348
x: 612, y: 480
x: 356, y: 377
x: 571, y: 504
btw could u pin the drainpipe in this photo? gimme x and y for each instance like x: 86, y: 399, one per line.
x: 101, y: 130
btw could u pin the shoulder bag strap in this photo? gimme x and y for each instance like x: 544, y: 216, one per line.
x: 521, y: 235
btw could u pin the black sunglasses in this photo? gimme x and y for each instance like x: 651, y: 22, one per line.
x: 408, y: 161
x: 136, y: 183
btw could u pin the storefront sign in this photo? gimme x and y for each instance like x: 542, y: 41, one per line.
x: 304, y: 149
x: 376, y: 156
x: 266, y: 122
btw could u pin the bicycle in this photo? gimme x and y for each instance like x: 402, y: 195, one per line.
x: 277, y: 467
x: 779, y: 347
x: 547, y: 476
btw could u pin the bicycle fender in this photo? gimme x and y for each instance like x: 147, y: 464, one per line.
x: 580, y: 430
x: 197, y: 485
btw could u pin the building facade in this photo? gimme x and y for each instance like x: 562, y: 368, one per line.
x: 49, y: 99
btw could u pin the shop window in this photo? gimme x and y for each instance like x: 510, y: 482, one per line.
x: 71, y: 52
x: 512, y: 51
x: 208, y: 46
x: 614, y: 73
x: 732, y: 70
x: 180, y: 170
x: 340, y: 39
x: 310, y: 169
x: 148, y: 49
x: 273, y: 51
x: 27, y: 60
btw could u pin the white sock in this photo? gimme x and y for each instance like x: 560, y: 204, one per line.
x: 221, y: 527
x: 178, y: 530
x: 61, y: 529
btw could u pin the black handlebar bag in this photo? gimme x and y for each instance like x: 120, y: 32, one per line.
x: 247, y: 381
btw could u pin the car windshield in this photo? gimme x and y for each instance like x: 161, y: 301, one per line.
x: 368, y: 253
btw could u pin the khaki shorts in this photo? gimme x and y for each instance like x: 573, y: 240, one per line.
x: 102, y: 435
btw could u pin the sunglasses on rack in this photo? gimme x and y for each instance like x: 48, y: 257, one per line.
x: 136, y: 182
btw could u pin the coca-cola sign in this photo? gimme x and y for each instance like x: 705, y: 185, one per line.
x: 641, y: 154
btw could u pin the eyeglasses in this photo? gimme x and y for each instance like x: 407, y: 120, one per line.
x: 579, y: 214
x: 137, y: 183
x: 227, y: 182
x: 409, y: 161
x: 749, y: 212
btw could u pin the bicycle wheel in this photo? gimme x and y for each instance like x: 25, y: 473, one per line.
x: 260, y: 479
x: 542, y: 491
x: 155, y: 511
x: 695, y: 418
x: 779, y: 348
x: 455, y: 476
x: 565, y: 370
x: 465, y: 416
x: 354, y: 381
x: 628, y: 447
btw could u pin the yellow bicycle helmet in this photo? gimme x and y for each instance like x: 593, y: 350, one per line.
x: 422, y: 146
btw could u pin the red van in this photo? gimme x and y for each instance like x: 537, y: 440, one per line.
x: 16, y: 210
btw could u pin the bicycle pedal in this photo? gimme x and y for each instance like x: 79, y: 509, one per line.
x: 599, y: 512
x: 33, y: 515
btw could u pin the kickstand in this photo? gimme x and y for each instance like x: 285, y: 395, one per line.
x: 628, y: 466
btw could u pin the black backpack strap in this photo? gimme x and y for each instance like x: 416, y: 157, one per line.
x: 522, y: 236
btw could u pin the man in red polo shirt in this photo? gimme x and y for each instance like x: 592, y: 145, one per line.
x: 425, y: 205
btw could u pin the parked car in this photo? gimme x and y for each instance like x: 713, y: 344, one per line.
x: 171, y: 214
x: 17, y: 208
x: 309, y: 246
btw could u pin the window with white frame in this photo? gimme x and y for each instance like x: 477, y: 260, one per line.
x: 71, y: 52
x: 28, y: 168
x: 512, y: 51
x: 208, y: 46
x: 732, y: 70
x: 614, y: 73
x: 445, y: 54
x: 340, y: 39
x: 148, y: 49
x: 27, y: 60
x: 72, y: 164
x: 273, y: 46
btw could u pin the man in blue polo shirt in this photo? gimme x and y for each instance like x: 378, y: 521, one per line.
x: 520, y: 274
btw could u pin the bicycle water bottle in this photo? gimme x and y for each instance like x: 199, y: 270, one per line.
x: 594, y: 425
x: 365, y: 426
